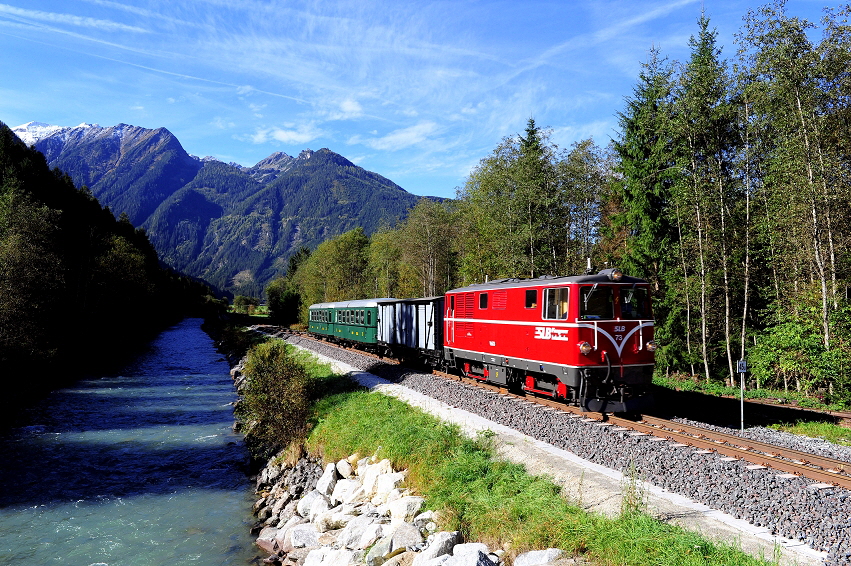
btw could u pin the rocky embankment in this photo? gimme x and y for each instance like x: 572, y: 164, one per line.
x: 357, y: 512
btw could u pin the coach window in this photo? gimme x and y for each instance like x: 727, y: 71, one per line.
x: 595, y: 303
x: 369, y: 318
x: 531, y: 298
x: 483, y: 300
x: 555, y: 303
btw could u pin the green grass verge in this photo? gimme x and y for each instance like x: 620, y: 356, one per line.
x: 681, y: 382
x: 494, y: 501
x: 828, y: 431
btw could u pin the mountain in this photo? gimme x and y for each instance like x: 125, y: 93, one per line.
x: 233, y: 226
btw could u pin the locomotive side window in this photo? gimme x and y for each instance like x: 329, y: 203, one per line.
x: 555, y: 303
x: 483, y: 301
x: 596, y: 303
x: 531, y: 298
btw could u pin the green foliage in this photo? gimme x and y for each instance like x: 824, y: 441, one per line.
x: 275, y: 400
x: 75, y: 281
x: 830, y: 432
x: 245, y: 305
x: 529, y: 209
x: 494, y: 501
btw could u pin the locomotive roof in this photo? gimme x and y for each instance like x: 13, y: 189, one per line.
x: 549, y: 280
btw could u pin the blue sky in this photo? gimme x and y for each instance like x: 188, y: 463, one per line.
x: 416, y: 91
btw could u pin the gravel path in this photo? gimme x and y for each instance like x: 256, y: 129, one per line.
x: 790, y: 507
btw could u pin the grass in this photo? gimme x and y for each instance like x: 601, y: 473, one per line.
x: 493, y: 501
x: 683, y: 382
x: 827, y: 431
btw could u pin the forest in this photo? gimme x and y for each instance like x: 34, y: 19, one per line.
x: 78, y: 286
x: 727, y: 187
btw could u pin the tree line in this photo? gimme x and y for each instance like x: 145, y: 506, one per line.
x: 77, y: 284
x: 727, y: 188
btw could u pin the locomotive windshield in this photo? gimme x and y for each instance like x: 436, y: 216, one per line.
x: 635, y: 303
x: 595, y: 303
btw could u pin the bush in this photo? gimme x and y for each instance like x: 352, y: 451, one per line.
x: 276, y: 399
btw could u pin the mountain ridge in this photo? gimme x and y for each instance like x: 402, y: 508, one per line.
x: 230, y: 225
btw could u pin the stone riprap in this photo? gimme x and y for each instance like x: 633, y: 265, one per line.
x: 358, y: 512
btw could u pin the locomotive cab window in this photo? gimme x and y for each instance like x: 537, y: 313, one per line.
x: 483, y: 301
x: 555, y: 303
x: 596, y: 303
x: 531, y: 298
x: 635, y: 303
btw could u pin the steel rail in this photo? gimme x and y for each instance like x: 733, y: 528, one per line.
x: 823, y: 462
x: 757, y: 453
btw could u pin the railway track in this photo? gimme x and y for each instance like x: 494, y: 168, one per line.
x: 825, y: 471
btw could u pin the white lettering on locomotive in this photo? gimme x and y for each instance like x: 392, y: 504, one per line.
x: 550, y: 333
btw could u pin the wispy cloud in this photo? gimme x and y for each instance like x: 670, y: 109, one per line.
x: 399, y: 139
x: 67, y: 19
x: 288, y: 134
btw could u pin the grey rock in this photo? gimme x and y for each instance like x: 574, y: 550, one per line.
x: 405, y: 535
x: 474, y: 558
x: 467, y: 547
x: 303, y: 535
x: 376, y: 555
x: 326, y: 483
x: 350, y: 535
x: 307, y: 501
x: 536, y: 557
x: 438, y: 544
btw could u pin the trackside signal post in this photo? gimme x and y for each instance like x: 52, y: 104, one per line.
x: 742, y: 368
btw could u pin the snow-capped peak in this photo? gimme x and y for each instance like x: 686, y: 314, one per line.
x: 31, y: 132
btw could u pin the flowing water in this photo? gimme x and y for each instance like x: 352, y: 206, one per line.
x: 140, y: 468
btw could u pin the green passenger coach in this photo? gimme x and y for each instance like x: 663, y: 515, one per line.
x: 346, y: 320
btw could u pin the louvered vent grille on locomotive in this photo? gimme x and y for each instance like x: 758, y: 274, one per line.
x: 466, y: 309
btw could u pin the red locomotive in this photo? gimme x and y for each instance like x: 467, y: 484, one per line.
x: 584, y: 339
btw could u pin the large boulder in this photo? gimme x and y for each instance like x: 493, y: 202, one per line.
x: 306, y: 502
x: 404, y: 536
x: 326, y: 483
x: 537, y: 557
x: 438, y: 544
x: 351, y: 534
x: 405, y: 508
x: 343, y: 489
x: 371, y: 474
x: 344, y: 468
x: 467, y: 547
x: 475, y: 558
x: 266, y: 540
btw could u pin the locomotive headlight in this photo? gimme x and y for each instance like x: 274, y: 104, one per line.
x: 585, y: 348
x: 617, y: 274
x: 651, y: 345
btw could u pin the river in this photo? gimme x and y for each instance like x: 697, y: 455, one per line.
x: 136, y: 468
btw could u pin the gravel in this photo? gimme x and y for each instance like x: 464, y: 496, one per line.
x: 789, y: 507
x: 817, y: 446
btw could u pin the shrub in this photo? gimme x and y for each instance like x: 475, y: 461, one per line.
x: 276, y: 399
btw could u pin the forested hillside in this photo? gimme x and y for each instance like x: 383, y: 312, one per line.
x: 77, y: 283
x: 232, y: 226
x: 728, y: 188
